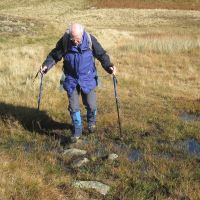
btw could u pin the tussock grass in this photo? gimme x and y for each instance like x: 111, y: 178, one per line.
x: 157, y: 56
x: 162, y: 45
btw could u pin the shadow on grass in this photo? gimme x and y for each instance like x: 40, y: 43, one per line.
x: 34, y: 121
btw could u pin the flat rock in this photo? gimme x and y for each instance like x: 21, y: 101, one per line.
x: 99, y: 187
x: 74, y: 152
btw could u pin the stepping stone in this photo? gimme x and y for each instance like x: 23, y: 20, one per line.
x: 99, y: 187
x: 74, y: 152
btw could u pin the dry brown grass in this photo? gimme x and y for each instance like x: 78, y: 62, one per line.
x: 21, y: 180
x: 157, y: 55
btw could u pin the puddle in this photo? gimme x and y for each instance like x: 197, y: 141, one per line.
x: 135, y: 155
x: 191, y: 146
x: 189, y: 117
x: 188, y: 146
x: 131, y: 154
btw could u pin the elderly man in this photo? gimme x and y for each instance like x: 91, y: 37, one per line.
x: 78, y: 49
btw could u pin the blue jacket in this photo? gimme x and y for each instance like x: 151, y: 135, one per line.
x: 79, y: 66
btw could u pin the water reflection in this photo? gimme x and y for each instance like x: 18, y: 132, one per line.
x: 192, y: 147
x: 189, y: 117
x: 188, y: 146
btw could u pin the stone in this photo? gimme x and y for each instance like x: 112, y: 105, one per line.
x: 99, y: 187
x: 74, y: 152
x: 112, y: 156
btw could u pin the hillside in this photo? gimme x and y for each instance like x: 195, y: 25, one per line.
x: 156, y: 52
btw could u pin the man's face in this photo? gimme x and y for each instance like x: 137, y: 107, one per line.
x: 76, y: 39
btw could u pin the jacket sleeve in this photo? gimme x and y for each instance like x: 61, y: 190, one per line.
x: 101, y: 54
x: 55, y: 55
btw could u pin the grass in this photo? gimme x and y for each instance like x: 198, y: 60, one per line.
x: 157, y: 56
x: 149, y: 4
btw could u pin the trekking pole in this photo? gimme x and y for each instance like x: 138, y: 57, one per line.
x: 117, y: 102
x: 40, y: 93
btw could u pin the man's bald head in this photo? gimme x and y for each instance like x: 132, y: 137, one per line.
x: 76, y: 33
x: 76, y: 29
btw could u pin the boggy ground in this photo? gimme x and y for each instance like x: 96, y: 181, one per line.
x: 157, y: 55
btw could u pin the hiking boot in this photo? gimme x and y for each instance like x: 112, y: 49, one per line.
x: 92, y: 128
